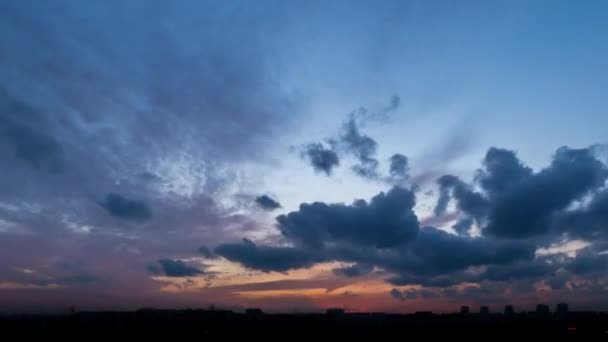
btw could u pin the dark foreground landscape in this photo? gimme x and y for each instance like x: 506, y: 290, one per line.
x: 255, y: 324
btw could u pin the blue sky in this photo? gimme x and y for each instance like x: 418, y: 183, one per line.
x: 134, y: 133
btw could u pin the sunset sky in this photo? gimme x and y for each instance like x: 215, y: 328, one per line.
x: 298, y: 155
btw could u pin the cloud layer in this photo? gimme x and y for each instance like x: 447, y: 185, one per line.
x: 516, y: 211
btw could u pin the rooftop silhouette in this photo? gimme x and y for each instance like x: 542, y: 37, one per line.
x: 254, y: 322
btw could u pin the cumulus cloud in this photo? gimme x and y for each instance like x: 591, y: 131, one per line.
x: 383, y: 233
x: 386, y: 220
x: 501, y: 170
x: 518, y: 203
x: 267, y: 203
x: 527, y: 207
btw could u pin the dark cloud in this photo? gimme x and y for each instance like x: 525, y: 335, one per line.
x: 399, y: 167
x: 517, y: 203
x: 501, y: 170
x: 588, y: 261
x: 126, y: 208
x: 173, y: 268
x: 588, y: 222
x: 321, y: 158
x: 386, y: 221
x: 467, y: 200
x: 438, y: 252
x: 463, y: 226
x: 267, y: 203
x: 267, y: 258
x: 528, y: 206
x: 522, y: 270
x: 381, y: 233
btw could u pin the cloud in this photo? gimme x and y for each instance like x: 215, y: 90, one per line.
x: 149, y: 121
x: 127, y: 209
x: 351, y: 141
x: 174, y: 268
x: 527, y: 207
x: 588, y: 261
x: 267, y: 258
x: 589, y: 222
x: 385, y: 221
x: 437, y: 253
x: 383, y: 233
x: 518, y: 203
x: 361, y: 147
x: 399, y: 167
x: 501, y: 170
x: 463, y: 226
x: 468, y: 201
x: 267, y: 203
x: 160, y: 118
x: 321, y: 158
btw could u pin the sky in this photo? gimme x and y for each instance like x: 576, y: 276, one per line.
x: 294, y: 156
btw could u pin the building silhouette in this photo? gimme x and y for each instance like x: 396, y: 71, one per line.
x: 509, y: 311
x: 561, y: 310
x: 334, y: 311
x: 542, y: 309
x: 465, y: 310
x: 484, y: 310
x: 254, y: 313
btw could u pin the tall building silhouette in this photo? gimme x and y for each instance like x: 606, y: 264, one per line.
x: 542, y: 309
x: 509, y: 311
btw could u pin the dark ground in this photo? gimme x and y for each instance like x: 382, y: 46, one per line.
x: 201, y: 324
